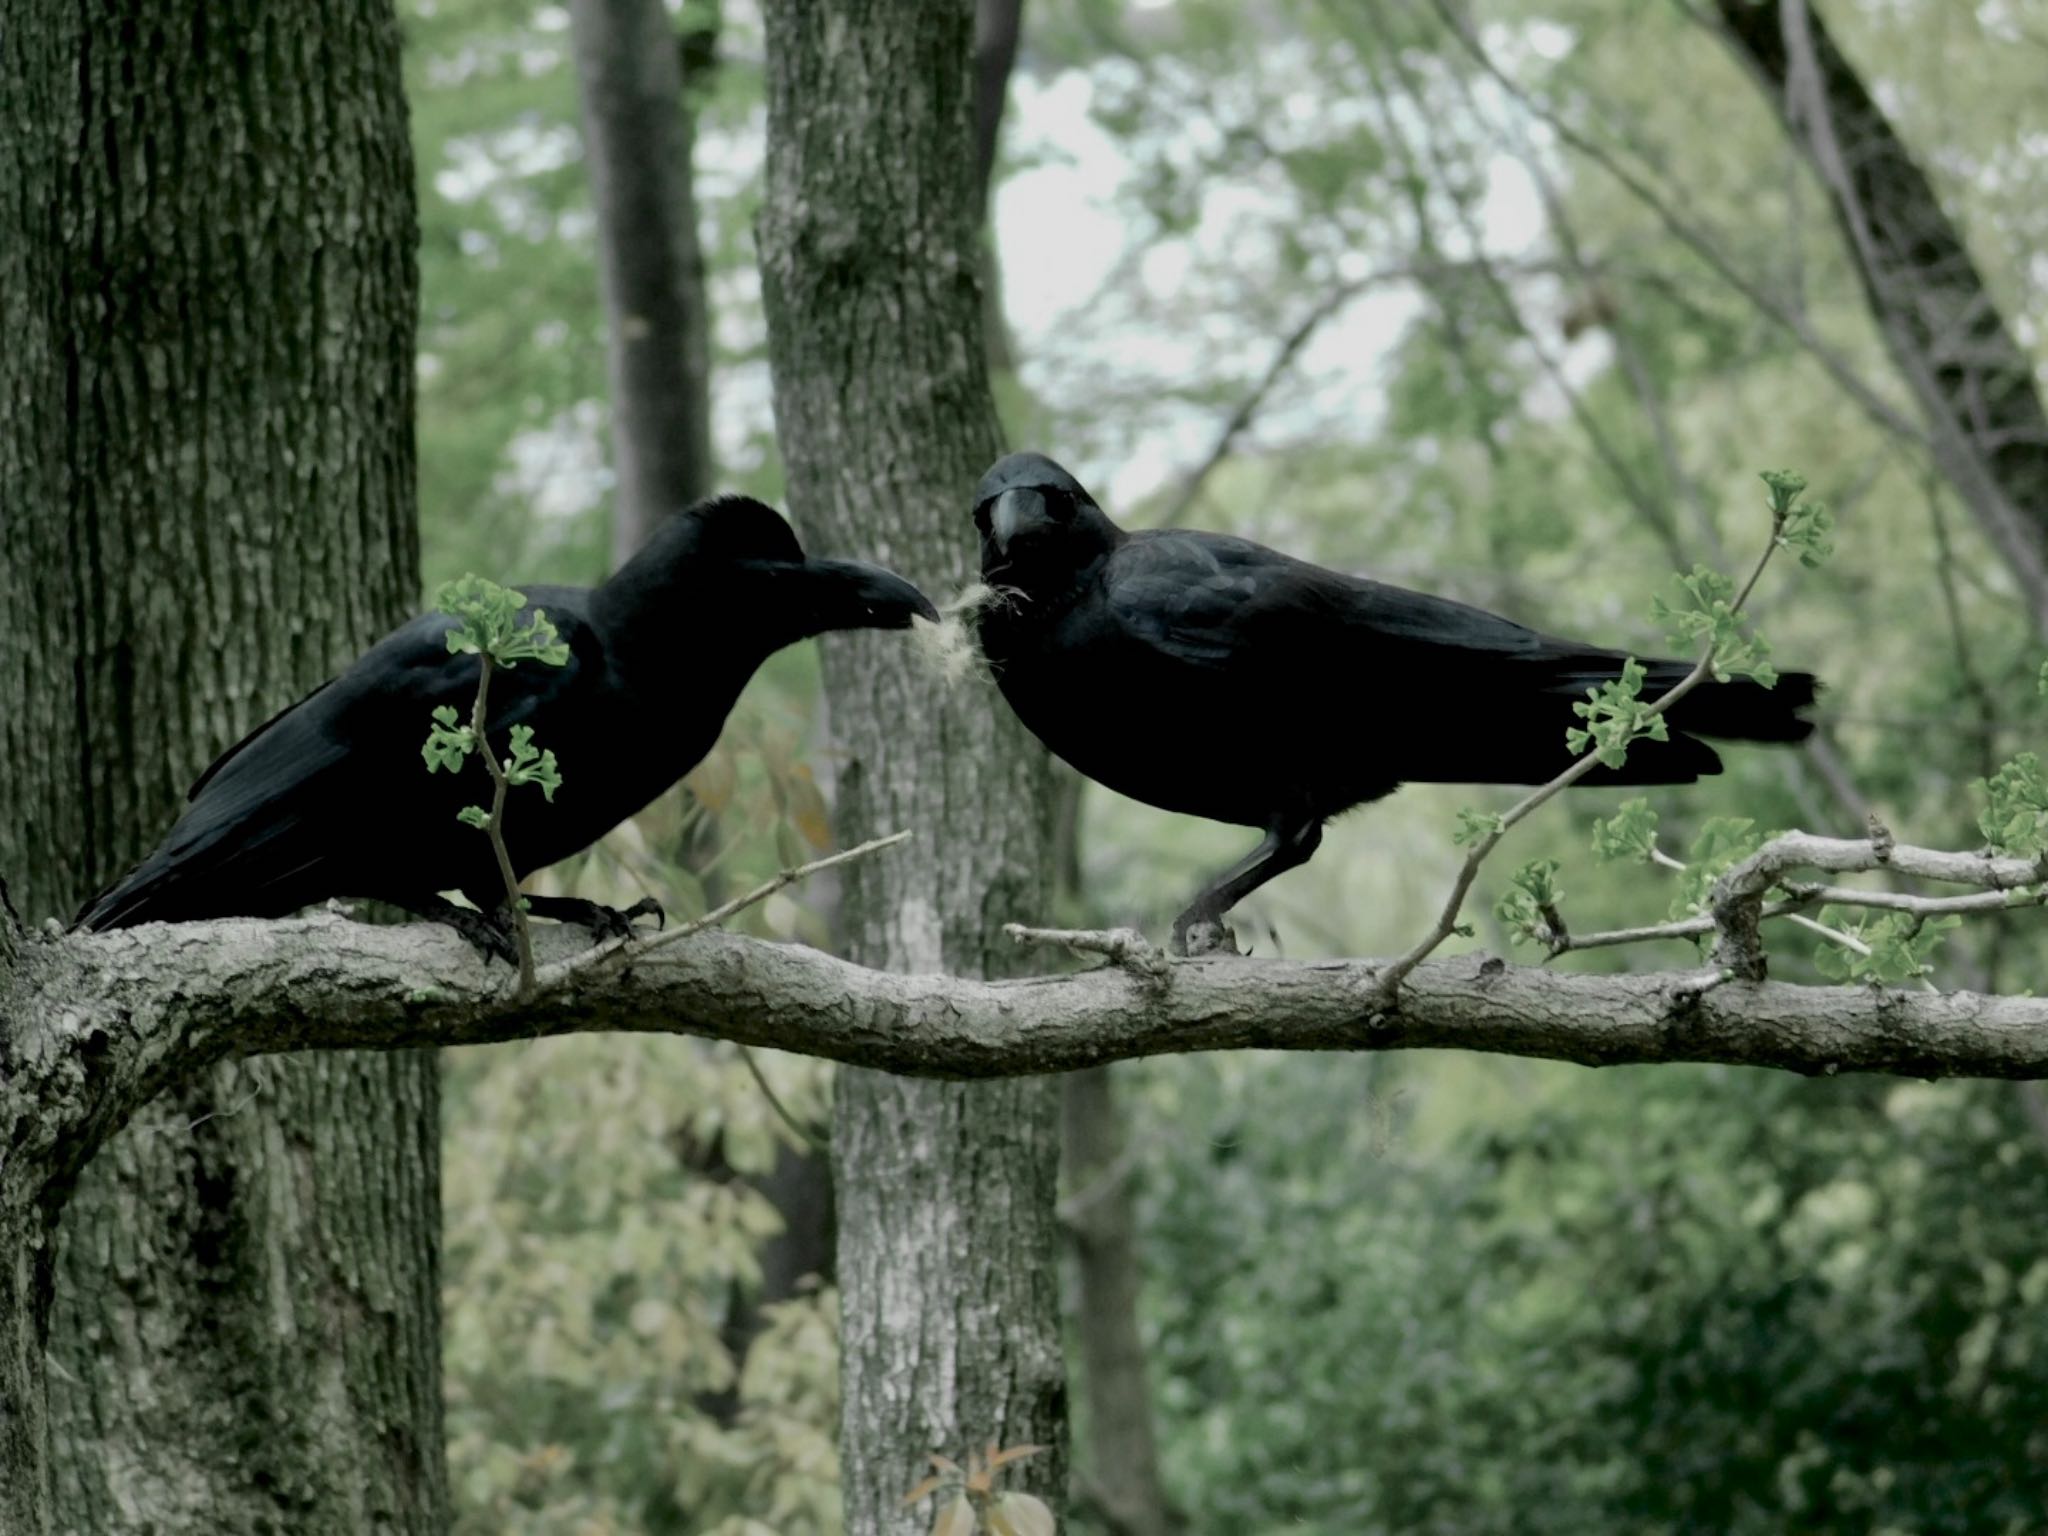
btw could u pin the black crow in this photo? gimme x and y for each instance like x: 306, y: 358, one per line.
x: 331, y: 797
x: 1213, y: 676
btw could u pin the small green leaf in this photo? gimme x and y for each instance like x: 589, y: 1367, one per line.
x: 1786, y: 487
x: 1528, y: 908
x: 1630, y: 833
x: 2015, y: 816
x: 1901, y: 946
x: 445, y: 747
x: 1702, y: 614
x: 1616, y: 715
x: 1476, y: 827
x: 474, y: 816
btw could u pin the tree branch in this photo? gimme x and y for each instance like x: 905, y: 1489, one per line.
x: 98, y: 1023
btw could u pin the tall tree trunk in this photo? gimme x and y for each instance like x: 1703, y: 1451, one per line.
x: 871, y: 280
x: 639, y: 125
x: 638, y: 138
x: 210, y: 409
x: 1974, y: 383
x: 998, y: 27
x: 1121, y: 1469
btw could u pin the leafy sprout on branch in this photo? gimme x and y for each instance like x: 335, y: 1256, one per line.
x: 1706, y: 613
x: 487, y: 626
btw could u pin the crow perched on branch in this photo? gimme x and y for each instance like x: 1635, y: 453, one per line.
x: 332, y: 798
x: 1213, y: 676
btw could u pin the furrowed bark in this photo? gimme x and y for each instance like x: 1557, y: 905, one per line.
x: 209, y: 398
x: 870, y: 262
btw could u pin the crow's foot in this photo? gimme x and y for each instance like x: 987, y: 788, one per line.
x: 488, y: 933
x: 1197, y: 933
x: 600, y: 921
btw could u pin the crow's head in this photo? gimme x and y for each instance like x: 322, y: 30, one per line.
x: 1038, y: 525
x: 741, y: 556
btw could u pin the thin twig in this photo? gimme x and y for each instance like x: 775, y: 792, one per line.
x: 1838, y: 367
x: 788, y: 877
x: 1125, y: 948
x: 1447, y: 921
x: 495, y: 827
x: 804, y: 1133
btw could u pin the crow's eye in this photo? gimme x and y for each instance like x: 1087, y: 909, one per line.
x: 1060, y: 505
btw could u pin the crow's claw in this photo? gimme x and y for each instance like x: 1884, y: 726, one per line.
x: 647, y: 906
x: 1197, y: 933
x: 598, y: 920
x: 487, y: 933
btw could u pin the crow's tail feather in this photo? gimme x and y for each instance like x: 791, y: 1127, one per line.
x: 1743, y: 710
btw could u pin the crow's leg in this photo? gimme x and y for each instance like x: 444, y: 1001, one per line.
x: 489, y: 933
x: 602, y: 921
x: 1289, y: 844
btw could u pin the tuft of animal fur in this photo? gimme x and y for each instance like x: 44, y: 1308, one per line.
x: 949, y: 647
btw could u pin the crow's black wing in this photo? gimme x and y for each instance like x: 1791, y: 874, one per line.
x: 325, y: 777
x: 1236, y: 608
x: 1447, y: 691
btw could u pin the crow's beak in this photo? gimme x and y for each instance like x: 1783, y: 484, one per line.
x: 1017, y: 511
x: 869, y: 597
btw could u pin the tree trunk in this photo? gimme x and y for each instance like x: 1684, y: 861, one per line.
x: 638, y: 137
x: 998, y: 25
x: 1121, y: 1471
x: 1974, y: 383
x: 210, y: 409
x: 871, y: 279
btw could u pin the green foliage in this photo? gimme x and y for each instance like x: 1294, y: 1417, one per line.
x: 1703, y: 615
x: 597, y: 1238
x: 1476, y: 827
x: 447, y: 743
x: 2015, y: 816
x: 1616, y: 714
x: 1629, y: 834
x: 529, y: 764
x: 1899, y: 945
x: 1644, y: 1301
x: 1528, y: 907
x: 1721, y: 843
x: 486, y: 623
x: 1804, y: 527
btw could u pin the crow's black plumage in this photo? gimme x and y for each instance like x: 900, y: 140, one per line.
x: 332, y: 798
x: 1211, y: 675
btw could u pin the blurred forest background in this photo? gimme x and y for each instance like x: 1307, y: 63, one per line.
x: 1505, y: 299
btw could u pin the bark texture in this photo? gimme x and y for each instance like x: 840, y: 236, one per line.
x: 870, y: 258
x: 1974, y: 383
x: 211, y: 413
x: 1121, y: 1472
x: 638, y: 139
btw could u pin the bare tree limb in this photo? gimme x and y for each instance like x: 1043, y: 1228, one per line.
x: 1739, y: 895
x: 97, y: 1023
